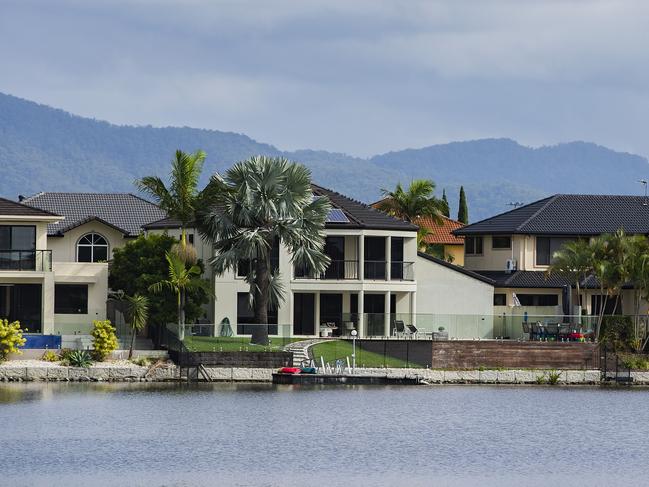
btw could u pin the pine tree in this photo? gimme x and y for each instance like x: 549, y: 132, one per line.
x: 463, y: 210
x: 447, y: 210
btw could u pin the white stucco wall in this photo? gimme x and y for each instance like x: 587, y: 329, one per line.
x: 64, y: 249
x: 447, y: 297
x: 95, y: 276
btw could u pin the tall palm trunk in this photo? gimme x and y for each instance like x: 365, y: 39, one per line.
x: 130, y: 350
x: 181, y: 314
x: 260, y: 332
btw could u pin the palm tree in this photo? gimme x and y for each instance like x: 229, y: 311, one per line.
x: 180, y: 197
x: 181, y: 279
x: 610, y: 267
x: 138, y: 314
x: 573, y: 260
x: 417, y: 202
x: 256, y: 203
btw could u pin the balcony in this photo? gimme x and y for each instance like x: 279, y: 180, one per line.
x: 26, y: 260
x: 338, y: 270
x: 402, y: 271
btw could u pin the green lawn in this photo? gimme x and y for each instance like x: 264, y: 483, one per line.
x: 234, y: 344
x: 340, y: 349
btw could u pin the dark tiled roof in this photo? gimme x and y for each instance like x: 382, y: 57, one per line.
x: 122, y: 211
x: 361, y: 215
x: 461, y: 270
x: 538, y: 279
x: 168, y: 222
x: 569, y: 214
x: 11, y: 208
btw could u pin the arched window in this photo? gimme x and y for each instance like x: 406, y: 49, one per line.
x: 92, y: 247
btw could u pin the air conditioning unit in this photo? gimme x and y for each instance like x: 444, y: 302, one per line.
x: 511, y: 265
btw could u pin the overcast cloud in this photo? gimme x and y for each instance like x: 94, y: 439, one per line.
x: 361, y: 77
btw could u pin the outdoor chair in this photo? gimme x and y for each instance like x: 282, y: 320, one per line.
x: 552, y: 330
x: 414, y: 332
x: 527, y: 330
x: 537, y: 331
x: 399, y: 329
x: 564, y: 332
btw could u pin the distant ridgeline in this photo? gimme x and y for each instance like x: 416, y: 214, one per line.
x: 45, y: 149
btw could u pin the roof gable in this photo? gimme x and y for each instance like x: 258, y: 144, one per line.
x: 12, y: 208
x: 360, y: 215
x: 441, y: 234
x: 569, y: 214
x: 125, y: 212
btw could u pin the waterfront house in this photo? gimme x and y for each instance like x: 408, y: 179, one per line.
x: 515, y: 249
x: 54, y: 253
x: 375, y: 278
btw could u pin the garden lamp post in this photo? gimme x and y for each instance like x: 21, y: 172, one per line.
x: 354, y: 333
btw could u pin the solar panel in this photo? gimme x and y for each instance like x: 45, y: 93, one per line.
x: 336, y: 215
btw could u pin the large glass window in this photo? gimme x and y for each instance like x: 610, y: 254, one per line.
x: 538, y: 299
x: 246, y: 316
x: 500, y: 299
x: 547, y: 246
x: 92, y: 247
x: 17, y: 237
x: 71, y: 299
x: 243, y: 266
x: 501, y: 242
x: 473, y: 245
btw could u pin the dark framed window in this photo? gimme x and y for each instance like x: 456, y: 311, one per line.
x: 246, y: 316
x: 190, y: 238
x: 500, y: 299
x: 243, y: 266
x: 501, y: 242
x: 71, y: 299
x: 547, y: 246
x: 17, y: 237
x: 473, y: 245
x: 538, y: 299
x: 92, y: 247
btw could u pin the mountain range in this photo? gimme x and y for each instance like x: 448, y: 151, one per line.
x: 48, y: 149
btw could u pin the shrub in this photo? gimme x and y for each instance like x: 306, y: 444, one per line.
x: 553, y: 377
x: 11, y: 337
x: 104, y: 339
x: 50, y: 356
x: 79, y: 358
x: 142, y: 361
x: 636, y: 362
x: 617, y: 332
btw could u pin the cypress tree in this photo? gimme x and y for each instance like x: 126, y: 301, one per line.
x: 463, y: 210
x: 446, y: 211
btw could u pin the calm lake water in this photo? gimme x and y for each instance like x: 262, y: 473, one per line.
x: 257, y: 435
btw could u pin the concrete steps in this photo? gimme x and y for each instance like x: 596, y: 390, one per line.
x: 300, y: 350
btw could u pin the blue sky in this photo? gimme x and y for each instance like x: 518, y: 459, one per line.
x: 361, y: 77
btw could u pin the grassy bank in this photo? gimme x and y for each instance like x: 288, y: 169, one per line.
x: 341, y: 349
x: 234, y: 344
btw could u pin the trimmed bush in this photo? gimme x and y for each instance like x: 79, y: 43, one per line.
x: 11, y: 337
x: 104, y: 340
x: 50, y: 356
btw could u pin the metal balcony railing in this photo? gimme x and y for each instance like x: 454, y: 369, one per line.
x: 337, y: 270
x: 26, y: 260
x: 376, y: 269
x: 402, y: 271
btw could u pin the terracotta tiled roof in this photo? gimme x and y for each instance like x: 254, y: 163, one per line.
x: 441, y: 234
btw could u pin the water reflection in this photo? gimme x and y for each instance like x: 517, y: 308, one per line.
x: 260, y: 434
